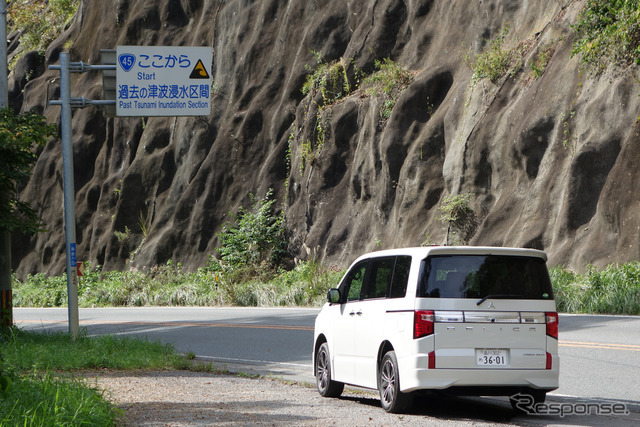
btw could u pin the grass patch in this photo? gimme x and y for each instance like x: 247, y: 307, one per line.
x: 46, y: 400
x: 33, y: 395
x: 34, y: 389
x: 26, y: 351
x: 169, y: 285
x: 614, y: 289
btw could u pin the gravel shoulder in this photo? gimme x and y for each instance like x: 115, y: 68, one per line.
x: 186, y: 398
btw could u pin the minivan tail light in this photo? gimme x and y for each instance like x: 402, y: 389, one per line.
x: 552, y: 324
x: 422, y: 323
x: 549, y: 360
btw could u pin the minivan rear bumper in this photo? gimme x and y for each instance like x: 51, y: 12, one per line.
x: 413, y: 376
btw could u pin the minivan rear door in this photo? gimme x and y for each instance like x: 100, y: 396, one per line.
x: 493, y: 310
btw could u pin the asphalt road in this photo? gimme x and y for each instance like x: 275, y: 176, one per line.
x: 599, y: 355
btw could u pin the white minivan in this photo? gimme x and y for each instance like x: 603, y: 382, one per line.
x: 461, y: 320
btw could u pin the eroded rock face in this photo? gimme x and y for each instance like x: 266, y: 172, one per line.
x: 551, y: 162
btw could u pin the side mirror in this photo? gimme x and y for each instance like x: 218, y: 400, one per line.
x: 333, y: 296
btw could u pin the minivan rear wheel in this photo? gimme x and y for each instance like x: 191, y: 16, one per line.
x: 391, y: 398
x: 326, y: 386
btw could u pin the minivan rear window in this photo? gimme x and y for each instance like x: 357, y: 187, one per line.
x: 481, y: 276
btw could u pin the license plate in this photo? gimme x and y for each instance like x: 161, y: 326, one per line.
x: 492, y: 357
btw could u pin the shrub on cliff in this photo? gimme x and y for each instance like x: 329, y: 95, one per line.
x: 608, y: 33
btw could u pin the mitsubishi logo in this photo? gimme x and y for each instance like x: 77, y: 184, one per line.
x: 491, y: 305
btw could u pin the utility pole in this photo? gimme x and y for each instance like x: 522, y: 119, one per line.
x: 6, y: 306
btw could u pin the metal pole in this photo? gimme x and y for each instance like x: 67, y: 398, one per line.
x: 4, y: 86
x: 6, y: 306
x: 69, y: 193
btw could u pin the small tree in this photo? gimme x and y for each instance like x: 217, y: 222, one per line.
x: 19, y: 135
x: 256, y: 239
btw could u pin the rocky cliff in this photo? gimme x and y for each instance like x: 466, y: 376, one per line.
x: 548, y: 160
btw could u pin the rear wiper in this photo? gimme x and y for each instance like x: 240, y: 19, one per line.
x: 496, y: 296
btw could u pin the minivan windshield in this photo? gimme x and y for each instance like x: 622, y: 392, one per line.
x: 484, y: 276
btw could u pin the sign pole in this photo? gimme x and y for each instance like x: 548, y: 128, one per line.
x: 69, y: 193
x: 6, y: 306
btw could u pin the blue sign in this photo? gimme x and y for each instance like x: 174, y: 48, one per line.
x: 127, y: 61
x: 72, y: 254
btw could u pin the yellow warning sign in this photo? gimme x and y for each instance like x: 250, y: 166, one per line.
x: 199, y: 72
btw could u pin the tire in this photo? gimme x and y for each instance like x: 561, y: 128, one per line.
x: 326, y: 386
x: 391, y: 398
x: 524, y: 402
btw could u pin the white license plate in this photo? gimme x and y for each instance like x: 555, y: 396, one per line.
x: 492, y: 357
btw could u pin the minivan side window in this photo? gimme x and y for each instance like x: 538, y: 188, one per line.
x: 400, y: 277
x: 387, y: 277
x: 352, y: 284
x: 379, y: 278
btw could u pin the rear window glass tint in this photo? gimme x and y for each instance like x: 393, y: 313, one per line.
x: 476, y: 276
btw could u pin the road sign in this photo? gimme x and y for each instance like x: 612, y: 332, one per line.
x: 80, y: 268
x: 163, y: 81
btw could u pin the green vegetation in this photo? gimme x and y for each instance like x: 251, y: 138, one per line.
x: 28, y: 351
x: 496, y: 61
x: 249, y: 272
x: 608, y: 33
x: 40, y: 21
x: 329, y: 78
x: 32, y: 395
x: 19, y: 135
x: 168, y: 285
x: 541, y: 60
x: 460, y: 218
x: 50, y: 401
x: 256, y: 240
x: 389, y: 81
x: 612, y: 290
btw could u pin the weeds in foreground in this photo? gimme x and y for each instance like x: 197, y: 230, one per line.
x: 43, y: 399
x: 25, y: 351
x: 31, y: 394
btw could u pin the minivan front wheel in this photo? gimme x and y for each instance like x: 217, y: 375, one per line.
x: 326, y: 386
x: 391, y: 398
